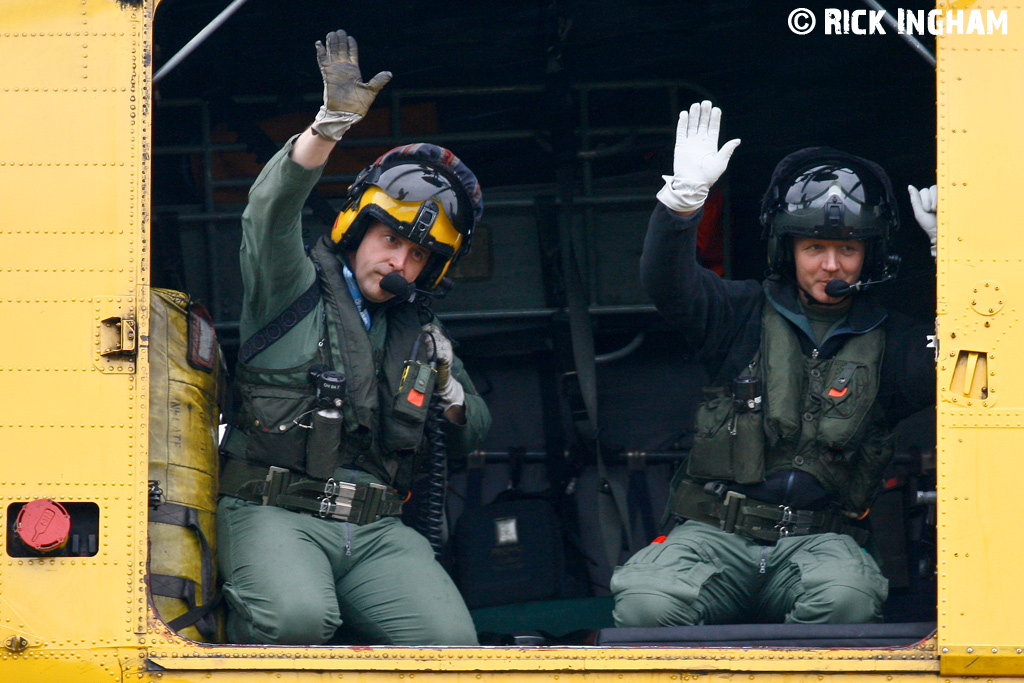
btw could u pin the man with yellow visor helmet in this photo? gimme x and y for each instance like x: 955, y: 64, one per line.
x: 337, y: 372
x: 424, y: 193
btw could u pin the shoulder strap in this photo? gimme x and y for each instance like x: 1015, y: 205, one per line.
x: 285, y: 320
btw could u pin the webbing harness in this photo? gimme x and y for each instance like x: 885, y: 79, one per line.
x: 331, y: 499
x: 736, y: 514
x: 285, y: 320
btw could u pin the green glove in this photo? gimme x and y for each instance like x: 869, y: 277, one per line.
x: 346, y: 97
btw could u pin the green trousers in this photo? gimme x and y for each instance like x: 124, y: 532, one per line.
x: 701, y: 575
x: 295, y: 579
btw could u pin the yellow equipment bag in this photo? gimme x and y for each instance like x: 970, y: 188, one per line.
x: 186, y: 379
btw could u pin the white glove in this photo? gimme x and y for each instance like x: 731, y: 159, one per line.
x: 448, y: 390
x: 346, y: 97
x: 698, y: 162
x: 926, y: 203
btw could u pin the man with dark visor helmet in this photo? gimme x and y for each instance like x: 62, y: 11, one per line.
x: 825, y: 194
x: 810, y: 376
x: 337, y: 372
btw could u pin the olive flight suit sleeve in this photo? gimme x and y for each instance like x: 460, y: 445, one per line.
x: 275, y: 269
x: 708, y: 310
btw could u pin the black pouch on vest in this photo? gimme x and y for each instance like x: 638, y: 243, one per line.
x: 278, y: 424
x: 323, y: 444
x: 728, y: 445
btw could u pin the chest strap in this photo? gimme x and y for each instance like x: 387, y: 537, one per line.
x: 764, y: 522
x: 285, y: 320
x: 332, y: 499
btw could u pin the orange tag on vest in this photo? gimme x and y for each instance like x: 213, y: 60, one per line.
x: 835, y: 393
x: 415, y: 398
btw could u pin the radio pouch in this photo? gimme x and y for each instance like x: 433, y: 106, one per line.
x: 417, y: 386
x: 727, y: 445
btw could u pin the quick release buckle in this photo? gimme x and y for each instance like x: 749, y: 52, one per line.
x: 276, y: 482
x: 783, y: 525
x: 337, y: 500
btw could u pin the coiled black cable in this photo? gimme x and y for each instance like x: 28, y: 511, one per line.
x: 431, y: 508
x: 430, y: 513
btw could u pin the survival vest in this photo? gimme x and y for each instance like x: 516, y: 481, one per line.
x: 380, y: 430
x: 818, y: 415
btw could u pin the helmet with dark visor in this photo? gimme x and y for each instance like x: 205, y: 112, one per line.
x: 833, y: 202
x: 827, y: 194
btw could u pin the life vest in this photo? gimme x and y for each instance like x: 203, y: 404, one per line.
x: 380, y: 431
x: 818, y: 415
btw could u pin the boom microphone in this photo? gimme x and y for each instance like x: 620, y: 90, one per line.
x: 394, y: 283
x: 840, y: 288
x: 834, y: 288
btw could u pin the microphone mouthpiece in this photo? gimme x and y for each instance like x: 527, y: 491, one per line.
x: 839, y: 288
x: 393, y: 283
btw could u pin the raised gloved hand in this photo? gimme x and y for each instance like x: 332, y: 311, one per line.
x: 926, y: 205
x: 448, y: 389
x: 346, y: 97
x: 698, y: 162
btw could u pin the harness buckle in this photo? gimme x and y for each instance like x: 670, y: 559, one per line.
x: 732, y: 510
x: 326, y: 508
x: 783, y: 525
x: 276, y: 481
x: 337, y: 500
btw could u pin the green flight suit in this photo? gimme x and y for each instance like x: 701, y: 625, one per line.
x: 294, y: 578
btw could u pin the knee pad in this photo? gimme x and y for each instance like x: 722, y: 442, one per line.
x: 851, y: 605
x: 653, y: 595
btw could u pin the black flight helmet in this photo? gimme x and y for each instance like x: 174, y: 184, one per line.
x: 827, y: 194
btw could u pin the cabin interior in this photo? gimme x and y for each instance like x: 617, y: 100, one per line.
x: 566, y: 112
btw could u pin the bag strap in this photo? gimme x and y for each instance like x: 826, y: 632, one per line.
x: 200, y: 616
x: 474, y: 480
x: 185, y: 589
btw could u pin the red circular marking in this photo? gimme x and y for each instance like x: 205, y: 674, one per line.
x: 44, y: 525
